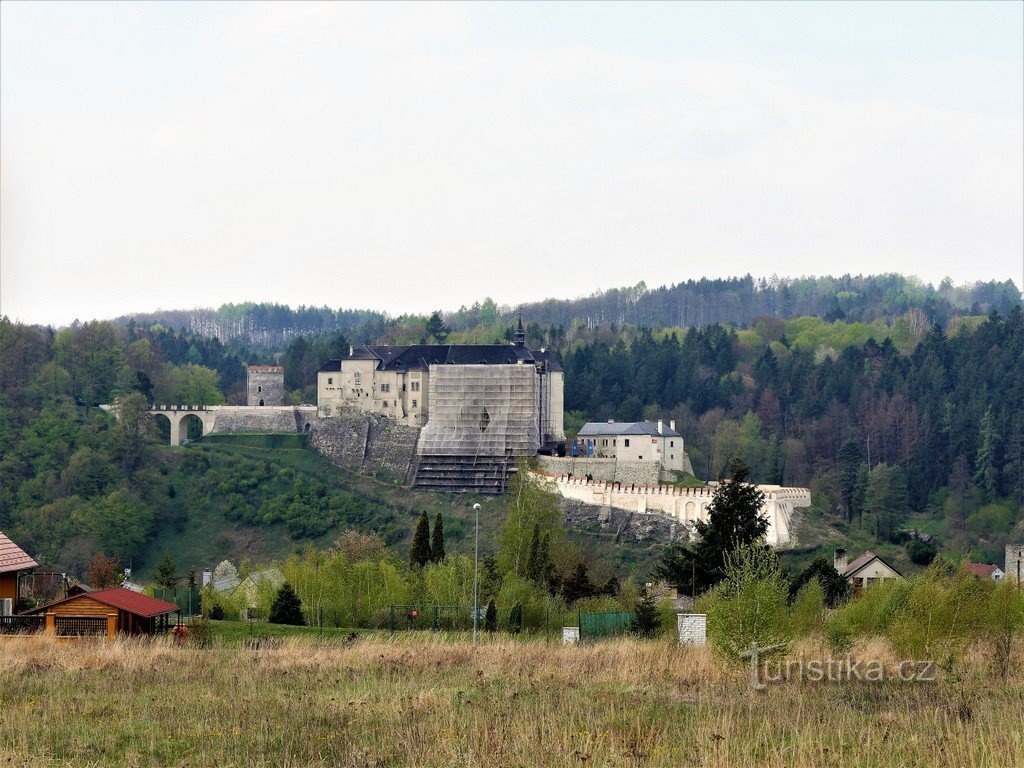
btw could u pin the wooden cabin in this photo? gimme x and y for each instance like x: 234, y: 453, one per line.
x: 107, y: 611
x: 14, y: 561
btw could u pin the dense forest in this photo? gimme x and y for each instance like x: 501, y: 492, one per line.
x: 897, y: 423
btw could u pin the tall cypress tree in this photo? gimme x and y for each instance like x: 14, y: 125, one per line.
x: 419, y: 554
x: 491, y: 618
x: 437, y: 540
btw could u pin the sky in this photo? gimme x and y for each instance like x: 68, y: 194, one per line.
x: 407, y: 157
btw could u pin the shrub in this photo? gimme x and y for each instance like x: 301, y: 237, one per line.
x: 645, y: 621
x: 921, y: 552
x: 217, y: 613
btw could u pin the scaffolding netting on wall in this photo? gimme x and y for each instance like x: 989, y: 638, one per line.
x: 482, y: 410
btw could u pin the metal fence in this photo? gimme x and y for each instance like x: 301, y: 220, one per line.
x: 14, y: 625
x: 186, y: 598
x: 79, y: 626
x: 594, y: 626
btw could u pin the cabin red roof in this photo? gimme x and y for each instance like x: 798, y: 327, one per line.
x: 13, y: 557
x: 861, y: 561
x: 122, y: 599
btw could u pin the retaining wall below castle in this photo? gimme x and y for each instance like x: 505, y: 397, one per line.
x: 367, y: 442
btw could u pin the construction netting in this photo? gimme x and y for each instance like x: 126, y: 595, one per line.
x: 482, y: 410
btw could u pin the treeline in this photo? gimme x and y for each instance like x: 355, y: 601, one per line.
x: 739, y: 301
x: 734, y: 301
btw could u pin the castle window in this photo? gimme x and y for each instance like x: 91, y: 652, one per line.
x: 415, y: 404
x: 259, y: 389
x: 358, y: 378
x: 671, y: 443
x: 330, y: 380
x: 385, y: 403
x: 415, y: 386
x: 640, y: 458
x: 385, y: 387
x: 626, y: 442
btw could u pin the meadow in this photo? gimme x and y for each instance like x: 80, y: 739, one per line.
x: 417, y: 699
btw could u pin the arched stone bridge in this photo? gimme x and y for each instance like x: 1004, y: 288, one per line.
x: 232, y: 418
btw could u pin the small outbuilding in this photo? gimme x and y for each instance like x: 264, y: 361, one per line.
x: 986, y: 571
x: 108, y: 611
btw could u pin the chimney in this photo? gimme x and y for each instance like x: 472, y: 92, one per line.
x: 839, y: 560
x: 351, y: 350
x: 672, y: 424
x: 661, y: 427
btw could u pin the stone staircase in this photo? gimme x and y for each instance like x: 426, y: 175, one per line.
x: 464, y: 474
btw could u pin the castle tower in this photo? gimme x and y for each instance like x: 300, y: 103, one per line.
x: 265, y: 385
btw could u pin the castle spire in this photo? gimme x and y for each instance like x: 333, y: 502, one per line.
x: 520, y: 333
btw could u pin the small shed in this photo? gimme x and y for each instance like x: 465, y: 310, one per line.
x: 136, y: 614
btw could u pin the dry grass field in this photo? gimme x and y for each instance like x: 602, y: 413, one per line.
x: 419, y: 700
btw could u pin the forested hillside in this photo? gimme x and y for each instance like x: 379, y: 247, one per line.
x: 695, y: 303
x: 895, y: 423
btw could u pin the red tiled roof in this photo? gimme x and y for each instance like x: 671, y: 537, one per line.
x: 13, y: 557
x: 122, y: 599
x: 981, y: 569
x: 861, y: 561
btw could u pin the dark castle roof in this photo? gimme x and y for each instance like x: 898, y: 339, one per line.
x: 421, y: 356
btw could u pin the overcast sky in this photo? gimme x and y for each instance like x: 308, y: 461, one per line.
x: 409, y: 157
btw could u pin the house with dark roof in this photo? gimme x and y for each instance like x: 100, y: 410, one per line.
x: 632, y: 441
x: 865, y: 570
x: 14, y: 562
x: 396, y: 382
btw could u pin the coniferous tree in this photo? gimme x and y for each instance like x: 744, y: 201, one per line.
x: 578, y: 584
x: 167, y: 572
x: 287, y: 607
x: 645, y: 620
x: 437, y: 540
x: 419, y: 553
x: 986, y: 475
x: 834, y: 587
x: 515, y: 619
x: 491, y: 617
x: 848, y: 465
x: 436, y: 329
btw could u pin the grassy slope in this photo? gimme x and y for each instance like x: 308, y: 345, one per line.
x: 199, y: 535
x: 416, y: 700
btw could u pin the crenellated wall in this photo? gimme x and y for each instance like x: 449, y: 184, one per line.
x: 684, y: 505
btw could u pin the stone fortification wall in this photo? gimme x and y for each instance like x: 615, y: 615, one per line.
x: 609, y: 470
x: 367, y: 442
x: 285, y: 418
x: 684, y: 505
x: 626, y: 526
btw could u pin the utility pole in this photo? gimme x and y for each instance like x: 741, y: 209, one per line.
x: 476, y: 557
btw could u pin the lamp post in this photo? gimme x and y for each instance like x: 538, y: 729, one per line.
x: 476, y: 555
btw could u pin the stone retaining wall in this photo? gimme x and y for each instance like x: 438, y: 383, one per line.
x: 367, y: 442
x: 286, y: 418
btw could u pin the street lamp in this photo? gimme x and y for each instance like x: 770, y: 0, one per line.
x: 476, y: 555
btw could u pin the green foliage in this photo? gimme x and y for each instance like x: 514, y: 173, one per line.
x: 808, y: 610
x: 645, y: 621
x: 886, y: 503
x: 515, y: 619
x: 491, y: 617
x: 419, y: 553
x: 751, y: 604
x: 167, y: 572
x: 921, y: 552
x: 287, y: 607
x: 834, y: 588
x: 529, y: 507
x: 437, y: 540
